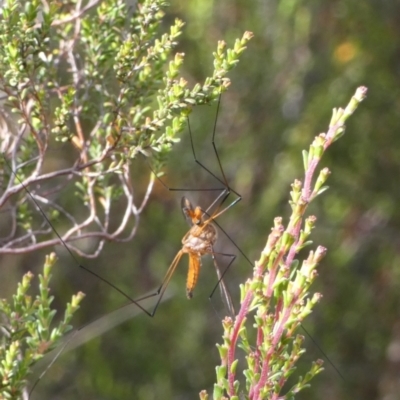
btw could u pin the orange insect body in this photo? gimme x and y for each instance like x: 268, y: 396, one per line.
x: 197, y: 242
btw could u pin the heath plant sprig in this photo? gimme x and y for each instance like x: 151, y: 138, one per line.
x: 28, y: 331
x: 277, y: 296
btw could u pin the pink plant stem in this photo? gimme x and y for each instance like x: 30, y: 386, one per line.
x: 251, y: 393
x: 260, y: 339
x: 306, y: 193
x: 292, y: 252
x: 275, y: 396
x: 330, y: 135
x: 264, y: 375
x: 308, y: 179
x: 276, y: 338
x: 265, y: 366
x: 244, y: 309
x: 273, y: 272
x: 282, y: 381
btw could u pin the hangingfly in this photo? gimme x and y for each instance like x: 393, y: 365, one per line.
x: 197, y: 242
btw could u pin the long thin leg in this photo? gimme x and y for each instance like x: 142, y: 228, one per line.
x: 160, y: 291
x: 224, y: 181
x: 226, y: 189
x: 226, y: 297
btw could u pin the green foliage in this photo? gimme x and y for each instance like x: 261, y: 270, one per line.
x: 107, y: 83
x: 28, y: 330
x: 104, y: 81
x: 305, y: 57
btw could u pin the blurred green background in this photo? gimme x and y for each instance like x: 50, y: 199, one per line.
x: 306, y: 58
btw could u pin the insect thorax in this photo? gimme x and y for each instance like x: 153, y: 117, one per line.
x: 201, y: 239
